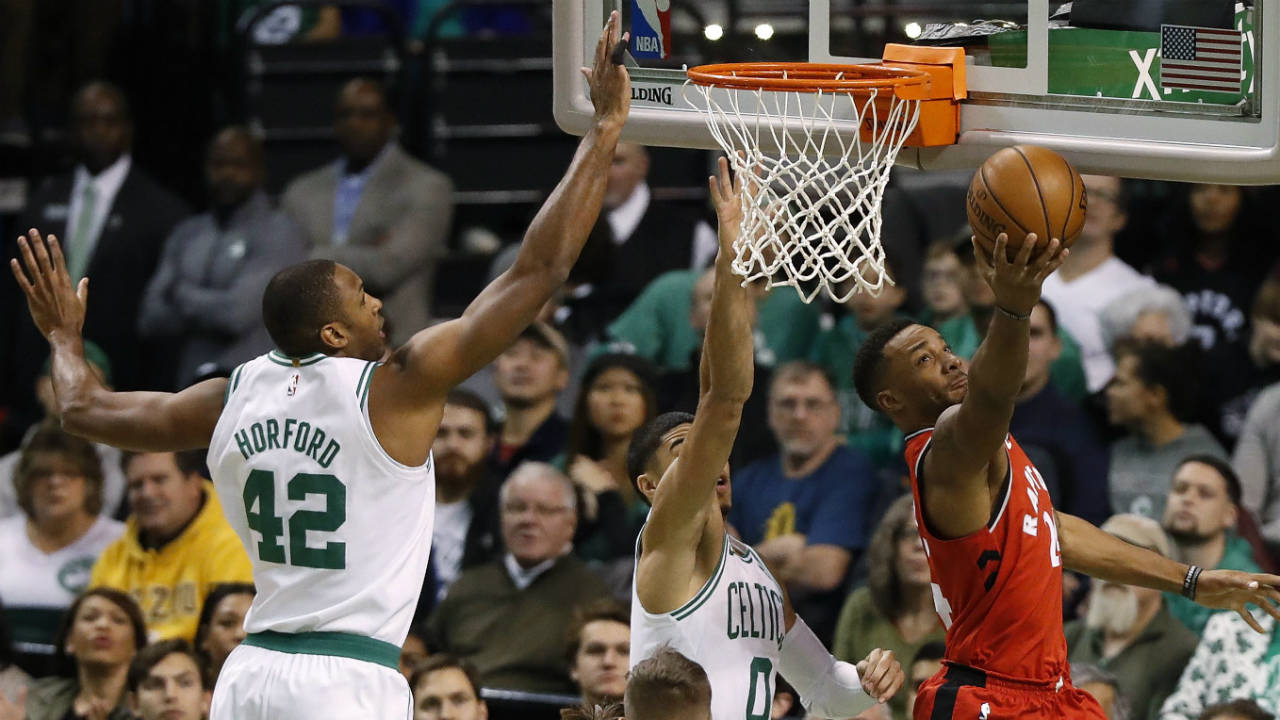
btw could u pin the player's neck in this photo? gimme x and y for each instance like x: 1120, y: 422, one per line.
x: 525, y: 419
x: 1086, y: 255
x: 53, y: 536
x: 1162, y: 428
x: 802, y: 465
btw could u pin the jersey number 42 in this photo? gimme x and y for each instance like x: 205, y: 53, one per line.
x: 260, y: 492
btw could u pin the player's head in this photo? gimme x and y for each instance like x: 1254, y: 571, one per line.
x: 319, y: 306
x: 908, y: 372
x: 654, y: 451
x: 166, y: 682
x: 1203, y: 500
x: 599, y: 650
x: 447, y: 688
x: 668, y: 686
x: 365, y: 122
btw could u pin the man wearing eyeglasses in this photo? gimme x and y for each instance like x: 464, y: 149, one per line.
x: 806, y: 509
x: 509, y: 617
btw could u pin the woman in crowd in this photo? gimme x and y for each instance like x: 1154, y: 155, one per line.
x: 221, y: 626
x: 617, y: 397
x: 46, y: 553
x: 102, y: 632
x: 894, y: 610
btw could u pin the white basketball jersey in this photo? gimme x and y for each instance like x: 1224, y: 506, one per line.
x: 733, y: 628
x: 339, y: 533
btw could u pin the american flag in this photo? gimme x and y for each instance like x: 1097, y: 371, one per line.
x: 1197, y: 58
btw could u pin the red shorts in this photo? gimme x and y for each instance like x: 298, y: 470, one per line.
x: 963, y: 693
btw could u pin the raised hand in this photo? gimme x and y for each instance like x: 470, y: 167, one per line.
x: 1016, y: 283
x: 55, y: 305
x: 881, y: 674
x: 1233, y: 590
x: 726, y: 197
x: 610, y: 83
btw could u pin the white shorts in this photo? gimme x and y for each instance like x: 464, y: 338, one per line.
x: 260, y: 684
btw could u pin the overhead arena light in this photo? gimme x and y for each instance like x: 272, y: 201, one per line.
x: 764, y: 31
x: 713, y: 32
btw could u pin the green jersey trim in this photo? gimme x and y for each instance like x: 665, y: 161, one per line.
x: 232, y: 382
x: 335, y: 644
x: 707, y: 590
x: 280, y: 358
x: 364, y: 377
x: 366, y: 382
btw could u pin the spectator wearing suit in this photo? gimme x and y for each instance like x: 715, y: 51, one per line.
x: 207, y: 292
x: 376, y: 210
x: 1055, y: 432
x: 111, y: 219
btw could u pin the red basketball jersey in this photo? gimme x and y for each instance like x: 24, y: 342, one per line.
x: 998, y: 591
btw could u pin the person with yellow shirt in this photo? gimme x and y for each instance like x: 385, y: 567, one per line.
x: 176, y: 546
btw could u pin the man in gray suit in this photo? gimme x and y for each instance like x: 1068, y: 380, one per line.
x: 376, y: 209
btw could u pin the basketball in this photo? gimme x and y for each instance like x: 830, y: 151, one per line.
x: 1026, y: 189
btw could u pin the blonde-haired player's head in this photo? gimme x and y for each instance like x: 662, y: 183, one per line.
x: 667, y: 686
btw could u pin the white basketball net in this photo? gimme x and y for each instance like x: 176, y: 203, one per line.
x: 811, y: 219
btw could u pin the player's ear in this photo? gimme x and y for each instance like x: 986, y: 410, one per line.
x: 888, y: 402
x: 648, y: 484
x: 334, y: 335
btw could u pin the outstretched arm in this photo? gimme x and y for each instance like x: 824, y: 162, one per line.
x: 1100, y: 554
x: 144, y: 421
x: 437, y: 359
x: 726, y: 374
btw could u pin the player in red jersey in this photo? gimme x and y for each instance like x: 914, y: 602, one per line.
x: 996, y: 546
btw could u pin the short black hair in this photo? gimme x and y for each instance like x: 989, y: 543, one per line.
x: 216, y: 595
x: 647, y: 439
x: 1222, y: 467
x: 1165, y: 367
x: 1243, y: 708
x: 868, y: 364
x: 155, y: 653
x: 298, y: 301
x: 932, y: 650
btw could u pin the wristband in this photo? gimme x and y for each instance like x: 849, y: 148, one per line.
x: 1190, y: 581
x: 1013, y: 315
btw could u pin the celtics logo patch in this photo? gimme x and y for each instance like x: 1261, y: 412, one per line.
x: 74, y: 575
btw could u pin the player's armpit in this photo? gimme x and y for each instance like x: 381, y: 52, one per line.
x: 957, y: 501
x: 147, y: 421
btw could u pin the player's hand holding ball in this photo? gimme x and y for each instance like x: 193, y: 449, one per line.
x: 881, y: 674
x: 1016, y: 283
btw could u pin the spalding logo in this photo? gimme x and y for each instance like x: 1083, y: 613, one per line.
x: 976, y: 212
x: 651, y: 94
x: 651, y: 28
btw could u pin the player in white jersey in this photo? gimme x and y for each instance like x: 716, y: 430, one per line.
x: 697, y: 589
x: 321, y: 454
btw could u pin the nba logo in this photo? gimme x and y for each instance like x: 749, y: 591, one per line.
x: 293, y: 385
x: 651, y: 28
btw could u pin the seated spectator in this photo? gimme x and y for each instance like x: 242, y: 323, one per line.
x: 792, y: 322
x: 447, y: 688
x: 1257, y: 367
x: 616, y: 398
x: 1153, y: 314
x: 1257, y: 461
x: 806, y: 510
x: 1104, y: 688
x: 112, y: 475
x: 599, y: 651
x: 1236, y: 710
x: 1232, y: 662
x: 863, y: 428
x: 47, y: 552
x: 13, y: 681
x: 530, y: 375
x: 176, y: 545
x: 943, y: 284
x: 167, y: 682
x: 666, y: 322
x: 206, y: 296
x: 1092, y: 276
x: 1130, y: 632
x: 102, y: 632
x: 376, y: 210
x: 221, y: 626
x: 894, y: 611
x: 1056, y: 433
x: 965, y: 332
x: 667, y: 686
x: 1150, y: 396
x: 528, y: 594
x: 112, y: 219
x: 926, y: 663
x: 466, y: 532
x: 1200, y: 518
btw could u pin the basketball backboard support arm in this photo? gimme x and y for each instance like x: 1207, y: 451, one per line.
x: 1156, y: 137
